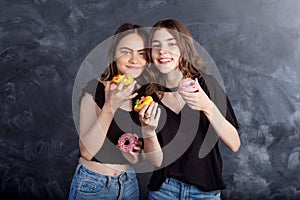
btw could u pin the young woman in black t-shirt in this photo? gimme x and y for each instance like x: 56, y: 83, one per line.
x: 191, y: 166
x: 103, y: 171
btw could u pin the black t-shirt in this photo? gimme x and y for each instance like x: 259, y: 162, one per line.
x: 121, y: 123
x: 181, y: 136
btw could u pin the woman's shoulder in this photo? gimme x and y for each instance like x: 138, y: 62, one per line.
x: 93, y: 88
x: 207, y: 80
x: 205, y: 76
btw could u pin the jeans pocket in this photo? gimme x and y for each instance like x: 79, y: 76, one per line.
x: 88, y: 187
x: 215, y: 193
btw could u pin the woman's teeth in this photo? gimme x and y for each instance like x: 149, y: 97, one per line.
x: 165, y: 60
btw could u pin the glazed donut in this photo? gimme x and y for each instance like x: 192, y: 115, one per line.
x: 118, y: 78
x: 127, y: 142
x: 187, y: 85
x: 126, y: 80
x: 139, y: 104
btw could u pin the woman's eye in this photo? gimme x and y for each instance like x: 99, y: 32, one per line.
x: 125, y: 52
x: 155, y: 46
x: 172, y: 44
x: 142, y: 54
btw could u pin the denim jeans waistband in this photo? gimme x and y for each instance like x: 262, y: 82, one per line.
x: 174, y: 181
x: 129, y: 173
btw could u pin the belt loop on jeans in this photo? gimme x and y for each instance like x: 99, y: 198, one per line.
x: 127, y: 174
x: 167, y: 180
x: 108, y: 181
x: 124, y: 175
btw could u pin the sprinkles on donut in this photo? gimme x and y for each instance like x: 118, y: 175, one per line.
x: 127, y: 142
x: 188, y: 85
x: 126, y: 80
x: 140, y: 103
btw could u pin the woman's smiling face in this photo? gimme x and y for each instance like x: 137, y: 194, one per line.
x: 165, y: 51
x: 130, y: 55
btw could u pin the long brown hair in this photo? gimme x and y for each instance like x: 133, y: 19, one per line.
x: 121, y: 32
x: 190, y: 63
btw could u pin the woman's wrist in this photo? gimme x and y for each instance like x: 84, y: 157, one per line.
x: 108, y: 108
x: 209, y: 109
x: 215, y: 117
x: 148, y: 132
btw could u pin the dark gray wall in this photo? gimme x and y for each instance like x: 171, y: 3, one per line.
x: 255, y: 44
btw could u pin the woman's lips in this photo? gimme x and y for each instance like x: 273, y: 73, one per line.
x: 164, y: 60
x: 132, y: 67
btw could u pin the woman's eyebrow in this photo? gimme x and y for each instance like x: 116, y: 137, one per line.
x: 121, y: 48
x: 169, y: 39
x: 127, y: 48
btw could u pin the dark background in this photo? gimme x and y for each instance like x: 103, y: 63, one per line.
x: 255, y: 44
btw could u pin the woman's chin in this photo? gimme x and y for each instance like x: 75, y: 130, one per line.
x: 134, y: 73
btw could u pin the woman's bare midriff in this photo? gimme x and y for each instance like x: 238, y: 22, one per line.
x: 105, y: 169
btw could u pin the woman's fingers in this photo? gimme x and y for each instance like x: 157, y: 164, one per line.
x: 139, y: 143
x: 145, y: 112
x: 142, y: 112
x: 109, y: 86
x: 133, y: 95
x: 137, y: 149
x: 191, y: 97
x: 154, y: 110
x: 149, y: 115
x: 187, y: 94
x: 158, y: 114
x: 129, y: 89
x: 120, y: 86
x: 122, y: 93
x: 149, y: 111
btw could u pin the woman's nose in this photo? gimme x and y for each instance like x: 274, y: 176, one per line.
x: 133, y: 58
x: 163, y: 51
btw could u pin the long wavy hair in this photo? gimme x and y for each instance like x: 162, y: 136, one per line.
x: 121, y: 32
x: 190, y: 62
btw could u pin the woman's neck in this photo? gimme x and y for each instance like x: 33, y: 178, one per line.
x: 172, y: 78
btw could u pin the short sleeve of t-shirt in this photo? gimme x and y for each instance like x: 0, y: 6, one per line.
x: 217, y: 94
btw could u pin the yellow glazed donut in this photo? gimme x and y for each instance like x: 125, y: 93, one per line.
x: 139, y: 104
x: 126, y: 80
x: 117, y: 78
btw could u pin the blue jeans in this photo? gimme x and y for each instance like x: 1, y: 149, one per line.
x: 87, y: 184
x: 174, y: 189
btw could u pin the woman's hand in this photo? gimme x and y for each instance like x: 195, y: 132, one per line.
x: 133, y: 156
x: 197, y: 100
x: 116, y: 95
x: 226, y: 131
x: 149, y: 117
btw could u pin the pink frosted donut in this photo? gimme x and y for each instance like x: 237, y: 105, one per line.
x: 187, y: 85
x: 127, y: 142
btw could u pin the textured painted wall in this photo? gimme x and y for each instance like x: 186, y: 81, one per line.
x: 255, y: 44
